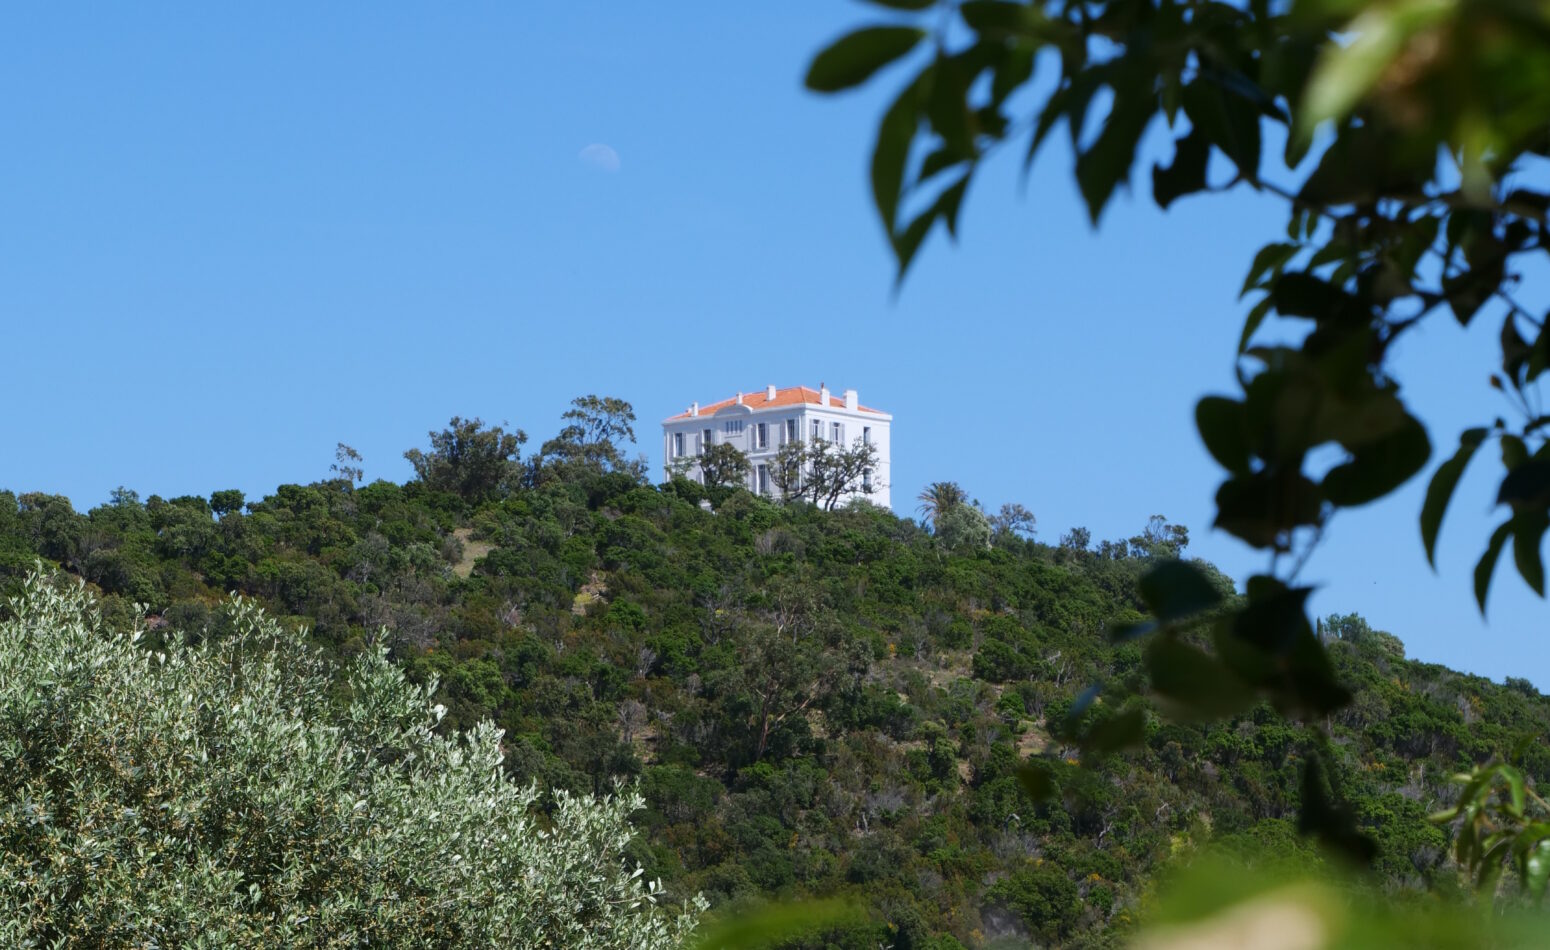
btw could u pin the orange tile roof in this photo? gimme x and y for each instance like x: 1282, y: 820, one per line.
x: 791, y: 396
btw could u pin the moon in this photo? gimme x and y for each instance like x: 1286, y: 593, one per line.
x: 600, y: 156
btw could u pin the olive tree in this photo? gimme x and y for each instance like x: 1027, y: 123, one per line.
x: 231, y: 791
x: 823, y: 472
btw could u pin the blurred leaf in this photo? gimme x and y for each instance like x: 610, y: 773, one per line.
x: 852, y: 59
x: 1186, y: 175
x: 1528, y: 530
x: 1468, y: 291
x: 1083, y: 701
x: 775, y: 924
x: 945, y: 209
x: 1311, y: 687
x: 1107, y: 163
x: 1227, y: 120
x: 1125, y: 633
x: 1515, y: 788
x: 1348, y: 71
x: 1251, y: 323
x: 1122, y: 731
x: 1174, y: 590
x: 1536, y: 870
x: 1194, y: 684
x: 1527, y: 485
x: 994, y: 15
x: 1486, y: 566
x: 1304, y: 295
x: 894, y: 134
x: 1037, y: 782
x: 1491, y: 866
x: 947, y: 102
x: 1223, y: 428
x: 1334, y: 824
x: 1440, y: 492
x: 1268, y: 260
x: 1259, y: 508
x: 1360, y: 165
x: 1275, y: 615
x: 1068, y: 102
x: 1015, y: 69
x: 1514, y: 452
x: 938, y: 161
x: 1380, y: 466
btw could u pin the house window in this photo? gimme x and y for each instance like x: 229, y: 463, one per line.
x: 733, y: 427
x: 791, y: 430
x: 836, y: 432
x: 678, y: 445
x: 705, y: 435
x: 761, y: 436
x: 817, y: 430
x: 764, y: 480
x: 866, y: 435
x: 866, y: 480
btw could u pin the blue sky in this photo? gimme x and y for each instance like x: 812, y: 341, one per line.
x: 230, y: 238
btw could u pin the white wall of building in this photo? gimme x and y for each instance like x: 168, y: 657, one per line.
x: 722, y: 427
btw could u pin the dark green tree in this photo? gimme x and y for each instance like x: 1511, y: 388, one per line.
x: 596, y: 430
x: 468, y: 460
x: 723, y: 466
x: 1160, y: 539
x: 225, y: 502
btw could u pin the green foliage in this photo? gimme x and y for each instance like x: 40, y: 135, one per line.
x: 938, y: 498
x: 223, y: 793
x: 468, y: 460
x: 963, y: 528
x: 822, y: 472
x: 829, y: 704
x: 724, y: 466
x: 592, y: 440
x: 1014, y: 520
x: 1411, y: 134
x: 1502, y: 823
x: 1044, y: 898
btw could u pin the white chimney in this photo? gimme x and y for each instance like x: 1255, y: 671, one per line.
x: 769, y: 392
x: 823, y: 395
x: 694, y: 408
x: 739, y: 397
x: 852, y: 400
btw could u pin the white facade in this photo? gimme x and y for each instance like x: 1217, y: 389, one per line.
x: 759, y: 423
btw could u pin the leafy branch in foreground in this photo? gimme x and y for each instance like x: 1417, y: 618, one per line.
x: 1502, y: 822
x: 1410, y: 133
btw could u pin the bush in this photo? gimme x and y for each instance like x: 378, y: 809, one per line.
x: 221, y: 794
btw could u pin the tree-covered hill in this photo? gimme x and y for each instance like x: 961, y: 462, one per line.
x: 812, y: 702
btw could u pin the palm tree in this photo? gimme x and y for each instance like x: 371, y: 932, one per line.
x: 938, y: 497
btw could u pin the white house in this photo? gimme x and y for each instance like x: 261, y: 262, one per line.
x: 758, y: 423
